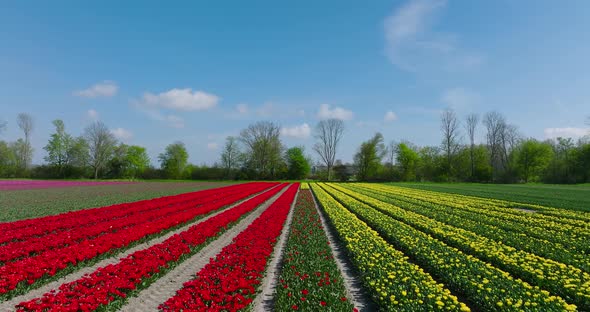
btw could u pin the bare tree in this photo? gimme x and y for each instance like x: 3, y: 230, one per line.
x: 230, y: 155
x: 494, y: 123
x: 391, y: 153
x: 450, y: 129
x: 2, y: 126
x: 470, y: 125
x: 58, y: 146
x: 25, y: 123
x: 328, y: 133
x: 101, y: 143
x: 501, y: 138
x: 264, y: 147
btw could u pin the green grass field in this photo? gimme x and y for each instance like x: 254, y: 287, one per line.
x: 24, y: 204
x: 575, y: 197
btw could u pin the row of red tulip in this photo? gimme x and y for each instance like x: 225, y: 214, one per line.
x: 71, y: 233
x: 18, y: 274
x: 114, y: 281
x: 24, y: 229
x: 228, y: 282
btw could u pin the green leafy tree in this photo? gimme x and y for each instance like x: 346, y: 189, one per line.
x: 564, y: 150
x: 58, y: 146
x: 68, y: 155
x: 581, y: 158
x: 297, y: 164
x: 432, y: 164
x: 117, y: 163
x: 136, y: 161
x: 174, y: 160
x: 78, y: 153
x: 7, y: 160
x: 128, y: 161
x: 532, y: 158
x: 368, y: 158
x: 408, y: 160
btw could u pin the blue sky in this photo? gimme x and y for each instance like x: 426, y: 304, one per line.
x: 199, y: 71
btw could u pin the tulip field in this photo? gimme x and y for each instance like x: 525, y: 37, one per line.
x: 263, y: 246
x: 422, y: 250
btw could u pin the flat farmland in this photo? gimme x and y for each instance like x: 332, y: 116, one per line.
x: 270, y: 246
x: 220, y: 249
x: 57, y: 197
x: 575, y: 197
x: 419, y: 250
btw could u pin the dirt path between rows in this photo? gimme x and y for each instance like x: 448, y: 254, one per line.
x: 354, y: 291
x: 165, y: 287
x: 36, y: 293
x: 264, y: 301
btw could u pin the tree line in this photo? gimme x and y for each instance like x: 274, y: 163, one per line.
x: 506, y: 156
x: 258, y: 153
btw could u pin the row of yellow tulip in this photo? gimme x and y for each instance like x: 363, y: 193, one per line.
x: 394, y: 283
x: 541, y: 211
x: 570, y: 237
x: 484, y: 285
x: 483, y: 225
x: 567, y: 281
x: 558, y: 218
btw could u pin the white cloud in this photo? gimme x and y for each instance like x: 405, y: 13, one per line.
x: 92, y: 114
x: 568, y: 132
x: 242, y: 109
x: 390, y: 116
x: 460, y: 98
x: 301, y: 131
x: 410, y: 19
x: 180, y: 100
x: 159, y: 106
x: 412, y: 46
x: 106, y: 88
x: 122, y: 134
x: 212, y: 146
x: 326, y: 112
